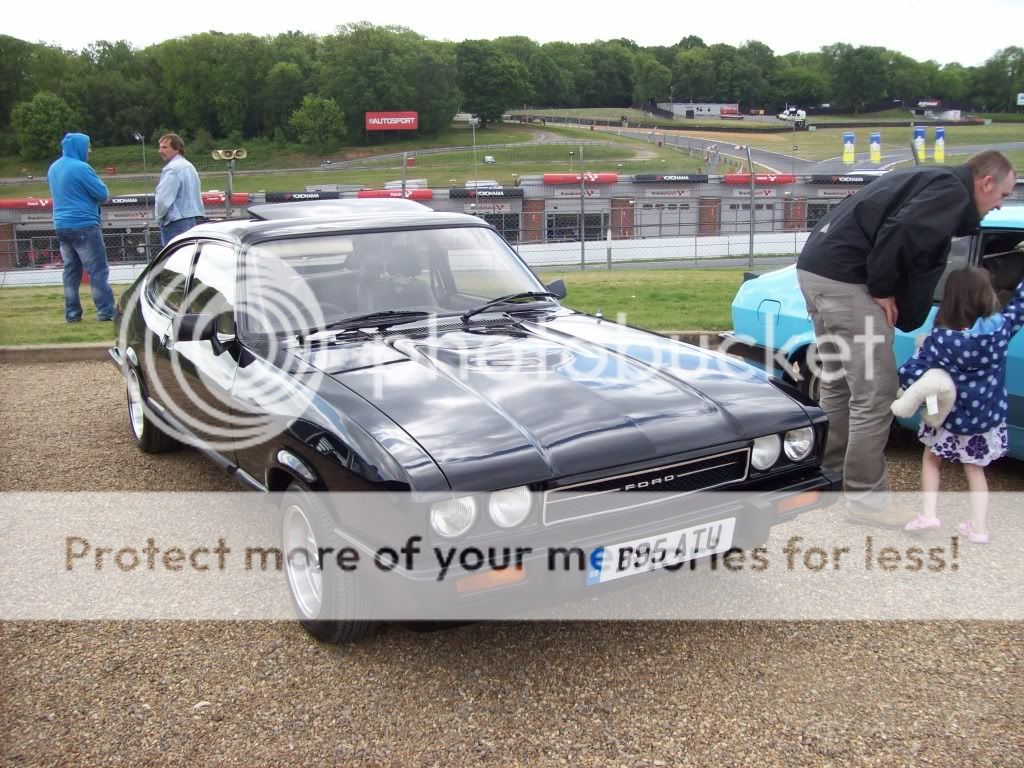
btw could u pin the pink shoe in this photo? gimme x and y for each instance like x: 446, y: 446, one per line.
x: 975, y: 538
x: 921, y: 523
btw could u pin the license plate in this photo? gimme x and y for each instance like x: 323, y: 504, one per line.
x: 658, y: 551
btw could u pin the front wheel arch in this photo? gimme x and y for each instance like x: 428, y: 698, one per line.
x: 806, y: 362
x: 332, y: 607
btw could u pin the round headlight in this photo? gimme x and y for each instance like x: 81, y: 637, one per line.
x: 453, y: 517
x: 508, y: 508
x: 798, y: 443
x: 766, y: 451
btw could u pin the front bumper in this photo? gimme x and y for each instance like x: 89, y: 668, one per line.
x: 116, y: 359
x: 459, y: 593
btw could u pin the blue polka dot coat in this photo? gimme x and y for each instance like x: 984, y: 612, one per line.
x: 976, y: 361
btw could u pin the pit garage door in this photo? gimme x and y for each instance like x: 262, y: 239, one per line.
x: 736, y: 215
x: 664, y: 219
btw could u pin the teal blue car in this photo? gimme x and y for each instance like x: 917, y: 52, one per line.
x: 771, y: 327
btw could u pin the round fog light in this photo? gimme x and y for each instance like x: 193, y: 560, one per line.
x: 766, y: 452
x: 453, y: 517
x: 798, y: 443
x: 508, y: 508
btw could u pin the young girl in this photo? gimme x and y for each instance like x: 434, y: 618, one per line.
x: 969, y: 341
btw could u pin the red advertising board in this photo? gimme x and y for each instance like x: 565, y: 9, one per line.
x: 392, y: 121
x: 412, y: 194
x: 574, y: 178
x: 26, y: 202
x: 759, y: 178
x: 216, y: 198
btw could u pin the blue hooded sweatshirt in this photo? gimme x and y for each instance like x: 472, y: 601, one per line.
x: 976, y: 361
x: 75, y: 188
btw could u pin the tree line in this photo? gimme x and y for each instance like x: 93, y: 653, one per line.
x: 314, y: 89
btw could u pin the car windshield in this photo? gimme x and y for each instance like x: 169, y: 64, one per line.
x: 299, y: 284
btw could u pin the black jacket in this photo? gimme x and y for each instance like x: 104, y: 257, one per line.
x: 893, y: 236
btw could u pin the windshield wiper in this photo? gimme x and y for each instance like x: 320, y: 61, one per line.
x: 504, y: 299
x: 369, y: 320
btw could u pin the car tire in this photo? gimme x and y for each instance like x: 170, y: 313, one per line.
x: 147, y: 435
x: 810, y: 376
x: 307, y: 525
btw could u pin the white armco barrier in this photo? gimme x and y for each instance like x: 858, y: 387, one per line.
x: 540, y: 255
x: 663, y: 249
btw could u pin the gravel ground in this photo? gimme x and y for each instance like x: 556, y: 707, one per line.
x: 537, y: 693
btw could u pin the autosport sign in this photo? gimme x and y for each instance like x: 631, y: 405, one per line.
x: 392, y: 121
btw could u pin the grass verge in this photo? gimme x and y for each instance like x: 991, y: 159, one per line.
x: 662, y: 300
x: 35, y: 315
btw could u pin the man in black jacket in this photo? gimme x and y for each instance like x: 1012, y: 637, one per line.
x: 870, y: 265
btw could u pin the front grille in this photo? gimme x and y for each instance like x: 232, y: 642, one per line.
x: 613, y: 494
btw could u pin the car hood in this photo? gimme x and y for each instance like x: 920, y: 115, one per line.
x: 501, y: 403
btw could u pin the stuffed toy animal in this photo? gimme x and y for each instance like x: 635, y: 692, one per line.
x: 934, y: 381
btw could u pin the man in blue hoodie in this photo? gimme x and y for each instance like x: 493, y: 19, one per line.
x: 77, y: 192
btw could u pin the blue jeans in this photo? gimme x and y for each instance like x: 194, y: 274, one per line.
x: 172, y: 229
x: 82, y: 247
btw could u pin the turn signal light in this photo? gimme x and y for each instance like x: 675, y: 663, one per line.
x: 491, y: 579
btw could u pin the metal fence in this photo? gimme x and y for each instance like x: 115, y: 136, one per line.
x: 37, y: 260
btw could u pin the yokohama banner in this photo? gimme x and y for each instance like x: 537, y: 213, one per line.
x: 392, y: 121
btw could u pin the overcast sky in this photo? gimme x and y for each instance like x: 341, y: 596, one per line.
x: 967, y: 32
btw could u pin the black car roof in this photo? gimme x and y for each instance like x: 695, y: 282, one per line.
x: 253, y: 230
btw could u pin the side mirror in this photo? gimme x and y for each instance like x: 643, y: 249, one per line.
x: 557, y: 287
x: 198, y: 327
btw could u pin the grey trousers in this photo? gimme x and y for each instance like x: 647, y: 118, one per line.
x: 858, y: 383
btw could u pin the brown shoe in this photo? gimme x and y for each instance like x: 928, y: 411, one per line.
x: 893, y: 517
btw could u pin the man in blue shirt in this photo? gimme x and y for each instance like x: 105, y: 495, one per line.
x: 77, y: 192
x: 179, y: 200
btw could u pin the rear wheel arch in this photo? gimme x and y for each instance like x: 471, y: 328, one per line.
x: 148, y: 436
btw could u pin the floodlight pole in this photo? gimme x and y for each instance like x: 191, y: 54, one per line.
x: 473, y: 121
x: 750, y: 163
x: 229, y: 155
x: 583, y: 228
x: 227, y: 197
x: 141, y: 137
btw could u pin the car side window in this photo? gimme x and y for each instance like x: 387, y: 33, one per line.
x: 1002, y: 254
x: 959, y: 252
x: 168, y: 282
x: 212, y: 290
